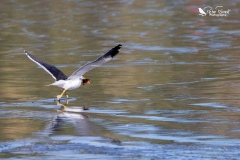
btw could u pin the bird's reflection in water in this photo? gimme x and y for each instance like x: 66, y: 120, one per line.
x: 71, y: 116
x: 65, y: 108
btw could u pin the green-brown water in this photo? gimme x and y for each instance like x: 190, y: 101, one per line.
x: 171, y: 93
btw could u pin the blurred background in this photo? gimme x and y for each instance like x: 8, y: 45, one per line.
x: 172, y: 92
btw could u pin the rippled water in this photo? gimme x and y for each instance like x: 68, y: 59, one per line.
x: 171, y: 93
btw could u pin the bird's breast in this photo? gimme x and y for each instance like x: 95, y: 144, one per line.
x: 72, y: 84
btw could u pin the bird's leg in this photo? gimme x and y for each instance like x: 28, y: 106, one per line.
x: 63, y: 106
x: 66, y: 95
x: 60, y: 96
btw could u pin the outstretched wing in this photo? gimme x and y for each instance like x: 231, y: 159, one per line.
x: 52, y: 70
x: 98, y: 62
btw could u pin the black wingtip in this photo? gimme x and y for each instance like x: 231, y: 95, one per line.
x: 114, y: 51
x: 119, y: 46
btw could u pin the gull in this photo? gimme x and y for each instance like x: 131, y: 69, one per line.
x: 76, y: 79
x: 202, y: 13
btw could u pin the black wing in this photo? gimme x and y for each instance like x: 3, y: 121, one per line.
x: 52, y: 70
x: 98, y: 62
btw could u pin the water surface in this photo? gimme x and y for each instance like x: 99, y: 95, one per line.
x: 171, y: 93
